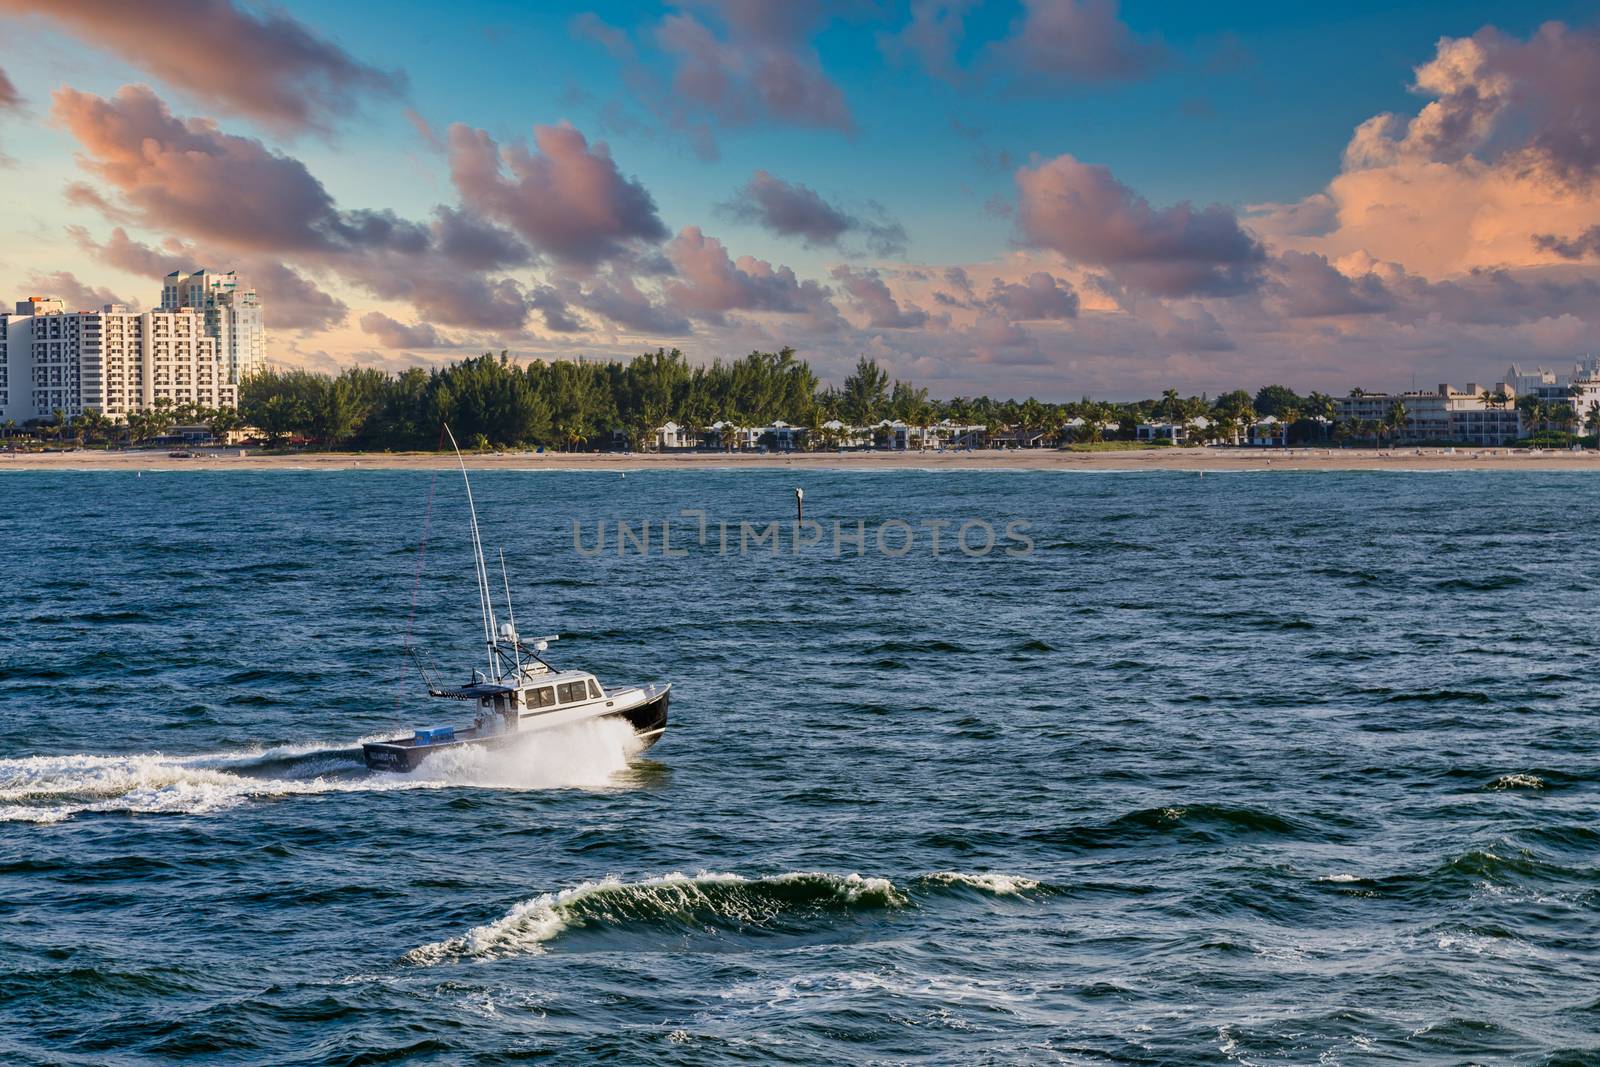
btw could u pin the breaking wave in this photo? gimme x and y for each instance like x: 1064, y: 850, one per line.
x: 50, y: 789
x: 796, y: 903
x: 1000, y: 885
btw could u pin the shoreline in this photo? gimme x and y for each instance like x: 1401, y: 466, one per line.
x: 1180, y: 459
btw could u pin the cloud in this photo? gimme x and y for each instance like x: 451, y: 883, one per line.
x: 1504, y: 148
x: 75, y: 294
x: 617, y: 297
x: 553, y: 310
x: 10, y: 99
x: 1081, y: 211
x: 760, y: 70
x: 931, y: 37
x: 261, y: 64
x: 191, y: 177
x: 1584, y: 245
x: 730, y: 64
x: 1313, y: 216
x: 1494, y: 95
x: 1306, y: 285
x: 476, y: 244
x: 790, y: 209
x: 1075, y: 41
x: 568, y: 199
x: 710, y: 283
x: 1040, y: 296
x: 393, y: 334
x: 869, y: 295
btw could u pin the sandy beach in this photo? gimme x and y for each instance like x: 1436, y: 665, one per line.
x: 1184, y: 459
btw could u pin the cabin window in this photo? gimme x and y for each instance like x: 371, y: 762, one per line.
x: 542, y: 698
x: 594, y: 690
x: 570, y: 691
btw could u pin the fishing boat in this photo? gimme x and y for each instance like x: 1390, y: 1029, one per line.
x: 520, y: 693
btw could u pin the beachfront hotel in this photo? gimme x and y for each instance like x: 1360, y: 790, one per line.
x: 194, y: 348
x: 233, y: 316
x: 1446, y: 414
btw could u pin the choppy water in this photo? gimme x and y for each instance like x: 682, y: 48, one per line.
x: 1244, y: 768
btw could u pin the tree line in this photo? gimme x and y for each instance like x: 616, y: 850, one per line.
x: 492, y: 401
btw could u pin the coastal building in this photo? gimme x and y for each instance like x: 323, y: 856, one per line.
x: 1176, y: 433
x: 113, y: 361
x: 1446, y: 414
x: 232, y: 313
x: 670, y: 436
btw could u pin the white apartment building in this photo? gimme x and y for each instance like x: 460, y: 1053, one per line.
x: 114, y: 361
x: 1446, y: 414
x: 232, y: 313
x: 1581, y: 388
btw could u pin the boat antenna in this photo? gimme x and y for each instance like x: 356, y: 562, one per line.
x: 480, y: 567
x: 511, y: 614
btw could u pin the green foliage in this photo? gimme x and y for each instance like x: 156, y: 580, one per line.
x: 491, y: 402
x: 1276, y: 399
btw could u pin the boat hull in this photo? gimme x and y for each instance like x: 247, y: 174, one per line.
x: 648, y: 719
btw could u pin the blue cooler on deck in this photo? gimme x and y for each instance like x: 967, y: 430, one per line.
x: 433, y: 735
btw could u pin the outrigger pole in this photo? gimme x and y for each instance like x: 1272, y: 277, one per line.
x: 480, y: 566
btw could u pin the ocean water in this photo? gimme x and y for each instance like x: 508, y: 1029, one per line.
x: 1241, y: 768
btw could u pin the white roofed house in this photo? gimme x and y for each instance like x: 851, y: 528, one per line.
x: 777, y: 435
x: 730, y: 435
x: 1019, y: 437
x: 780, y: 436
x: 839, y: 435
x: 1268, y: 432
x: 949, y: 433
x: 670, y: 436
x: 1177, y: 433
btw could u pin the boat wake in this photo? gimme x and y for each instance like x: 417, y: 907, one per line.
x: 706, y: 905
x: 50, y: 789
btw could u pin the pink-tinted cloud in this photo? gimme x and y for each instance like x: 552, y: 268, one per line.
x: 76, y: 294
x: 1081, y: 211
x: 261, y: 64
x: 1495, y: 171
x: 394, y: 334
x: 1039, y: 296
x: 1075, y: 41
x: 1495, y: 95
x: 746, y: 77
x: 791, y: 209
x: 568, y: 199
x: 709, y: 282
x: 190, y: 177
x: 870, y: 296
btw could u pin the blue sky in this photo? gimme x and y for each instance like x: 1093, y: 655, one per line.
x: 1242, y: 104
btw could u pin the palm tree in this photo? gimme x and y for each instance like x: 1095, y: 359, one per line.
x: 1396, y: 421
x: 1288, y: 415
x: 1532, y: 410
x: 1591, y: 419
